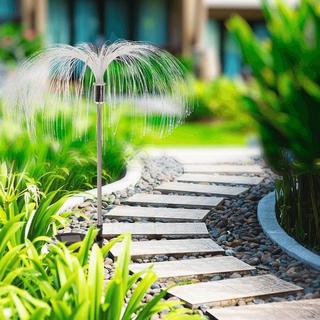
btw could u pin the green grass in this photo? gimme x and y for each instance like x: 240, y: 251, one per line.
x: 211, y: 133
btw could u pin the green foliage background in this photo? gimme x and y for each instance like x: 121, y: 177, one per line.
x: 284, y: 99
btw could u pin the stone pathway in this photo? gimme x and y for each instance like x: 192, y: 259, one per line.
x: 211, y: 276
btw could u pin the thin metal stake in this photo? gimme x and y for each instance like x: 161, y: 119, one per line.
x: 99, y: 100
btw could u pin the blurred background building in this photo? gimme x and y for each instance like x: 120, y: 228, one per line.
x: 193, y: 29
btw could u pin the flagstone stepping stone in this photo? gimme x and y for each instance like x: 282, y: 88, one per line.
x: 163, y: 214
x: 214, y: 159
x: 175, y: 247
x: 152, y: 229
x: 197, y: 202
x: 230, y: 291
x: 194, y: 267
x: 222, y: 168
x: 208, y: 155
x: 290, y: 310
x: 219, y: 178
x: 200, y: 189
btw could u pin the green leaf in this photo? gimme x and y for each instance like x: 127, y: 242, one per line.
x: 95, y: 281
x: 138, y: 294
x: 86, y: 244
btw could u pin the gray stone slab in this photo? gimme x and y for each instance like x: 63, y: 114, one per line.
x: 219, y: 178
x: 194, y: 267
x: 158, y: 214
x: 290, y: 310
x: 230, y: 291
x: 154, y: 229
x: 200, y: 189
x: 208, y: 155
x: 222, y: 168
x: 177, y: 247
x: 197, y: 202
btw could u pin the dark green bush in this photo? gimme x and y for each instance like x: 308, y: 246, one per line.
x: 284, y: 99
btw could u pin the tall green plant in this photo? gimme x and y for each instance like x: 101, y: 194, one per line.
x: 284, y: 99
x: 26, y: 216
x: 21, y: 203
x: 68, y: 283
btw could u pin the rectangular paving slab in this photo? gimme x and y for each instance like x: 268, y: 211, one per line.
x: 222, y: 168
x: 194, y: 267
x: 290, y: 310
x: 177, y: 247
x: 200, y: 189
x: 151, y: 229
x: 219, y: 178
x: 230, y: 291
x: 163, y: 214
x: 197, y: 202
x: 208, y: 155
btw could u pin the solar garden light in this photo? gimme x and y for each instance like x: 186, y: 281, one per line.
x: 147, y: 77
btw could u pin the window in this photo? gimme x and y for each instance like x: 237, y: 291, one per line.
x: 8, y: 10
x: 58, y: 28
x: 117, y: 20
x: 95, y: 21
x: 86, y: 21
x: 152, y: 22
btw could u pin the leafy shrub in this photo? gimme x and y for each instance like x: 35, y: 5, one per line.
x: 22, y: 203
x: 284, y: 100
x: 219, y: 99
x: 56, y: 159
x: 26, y: 215
x: 16, y: 43
x: 225, y: 100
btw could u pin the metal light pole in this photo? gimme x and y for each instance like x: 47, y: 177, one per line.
x: 99, y: 101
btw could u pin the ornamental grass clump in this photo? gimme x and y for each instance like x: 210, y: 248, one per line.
x: 31, y: 213
x: 284, y: 99
x: 63, y: 283
x: 56, y: 158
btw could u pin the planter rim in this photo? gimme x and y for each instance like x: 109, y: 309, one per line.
x: 131, y: 177
x: 268, y: 221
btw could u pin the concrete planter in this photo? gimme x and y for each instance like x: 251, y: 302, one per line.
x: 268, y: 221
x: 132, y: 176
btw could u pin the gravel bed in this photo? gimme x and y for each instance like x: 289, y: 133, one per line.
x: 233, y: 225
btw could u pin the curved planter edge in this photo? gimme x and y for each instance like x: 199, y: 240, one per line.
x: 132, y: 176
x: 268, y: 221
